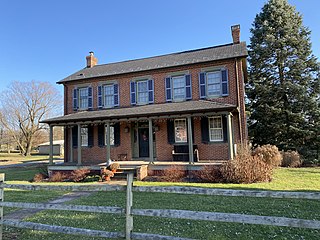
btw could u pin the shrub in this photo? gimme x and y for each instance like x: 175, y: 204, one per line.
x: 269, y: 154
x: 39, y: 177
x: 173, y: 174
x: 114, y: 166
x: 58, y: 177
x: 291, y: 159
x: 106, y: 174
x: 208, y: 174
x: 246, y: 169
x: 79, y: 175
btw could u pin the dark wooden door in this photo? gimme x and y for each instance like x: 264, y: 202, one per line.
x: 143, y: 142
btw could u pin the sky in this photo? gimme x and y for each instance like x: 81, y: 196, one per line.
x: 49, y: 40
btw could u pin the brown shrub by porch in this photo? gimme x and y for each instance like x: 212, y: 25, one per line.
x: 79, y: 175
x: 208, y: 174
x: 173, y: 174
x: 246, y: 169
x: 58, y: 177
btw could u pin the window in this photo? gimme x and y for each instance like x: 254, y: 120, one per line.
x: 180, y: 130
x: 142, y: 92
x: 108, y: 96
x: 83, y: 98
x: 214, y: 83
x: 215, y: 129
x: 84, y: 137
x: 111, y: 135
x: 179, y: 88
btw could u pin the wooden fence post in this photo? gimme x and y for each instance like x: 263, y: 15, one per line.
x: 129, y: 217
x: 1, y: 208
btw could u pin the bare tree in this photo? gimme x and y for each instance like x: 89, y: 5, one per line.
x: 23, y: 106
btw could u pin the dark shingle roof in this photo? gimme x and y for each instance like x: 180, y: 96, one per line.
x: 163, y: 61
x: 200, y: 106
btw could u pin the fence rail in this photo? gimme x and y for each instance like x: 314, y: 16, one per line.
x: 169, y: 213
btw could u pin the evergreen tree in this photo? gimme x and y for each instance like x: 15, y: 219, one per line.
x: 283, y: 87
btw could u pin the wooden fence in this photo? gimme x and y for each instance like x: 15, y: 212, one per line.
x: 129, y: 212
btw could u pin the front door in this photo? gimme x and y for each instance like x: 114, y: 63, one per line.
x: 143, y: 142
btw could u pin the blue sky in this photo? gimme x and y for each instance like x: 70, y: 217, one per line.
x: 48, y: 40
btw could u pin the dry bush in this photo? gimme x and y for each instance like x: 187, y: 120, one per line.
x: 269, y: 154
x: 58, y: 177
x: 173, y: 174
x: 246, y: 169
x: 208, y: 174
x: 79, y: 175
x: 113, y: 166
x: 291, y: 159
x: 39, y: 177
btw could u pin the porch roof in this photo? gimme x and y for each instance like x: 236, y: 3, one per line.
x: 145, y: 111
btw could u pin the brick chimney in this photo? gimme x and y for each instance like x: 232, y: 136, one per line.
x: 235, y: 30
x: 91, y: 60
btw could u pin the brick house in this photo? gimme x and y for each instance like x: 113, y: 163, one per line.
x: 181, y: 107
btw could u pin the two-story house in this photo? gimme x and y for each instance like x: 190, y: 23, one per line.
x: 186, y: 106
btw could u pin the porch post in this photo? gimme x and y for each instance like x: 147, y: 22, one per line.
x: 190, y: 142
x: 150, y: 141
x: 71, y: 145
x: 230, y: 138
x: 51, y: 145
x: 108, y: 141
x: 79, y: 144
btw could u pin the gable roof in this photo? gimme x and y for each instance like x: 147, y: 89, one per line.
x: 163, y: 61
x: 150, y: 110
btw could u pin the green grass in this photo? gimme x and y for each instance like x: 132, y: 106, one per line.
x: 15, y: 158
x: 300, y: 179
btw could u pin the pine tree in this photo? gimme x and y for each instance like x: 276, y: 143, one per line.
x: 283, y: 87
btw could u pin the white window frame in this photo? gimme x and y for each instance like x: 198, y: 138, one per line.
x: 105, y: 95
x: 84, y: 136
x: 176, y: 131
x: 220, y: 84
x: 180, y: 87
x: 138, y: 92
x: 217, y: 129
x: 83, y: 102
x: 111, y: 135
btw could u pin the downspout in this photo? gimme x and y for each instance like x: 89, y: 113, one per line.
x: 238, y: 100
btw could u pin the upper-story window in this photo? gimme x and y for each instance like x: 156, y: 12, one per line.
x: 82, y: 98
x: 108, y: 95
x: 213, y: 83
x: 141, y: 92
x: 178, y: 88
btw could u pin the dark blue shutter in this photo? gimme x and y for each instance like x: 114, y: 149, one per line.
x: 116, y: 127
x: 168, y: 89
x: 151, y: 92
x: 90, y: 136
x: 90, y: 103
x: 75, y: 136
x: 224, y: 82
x: 100, y: 97
x: 116, y: 94
x: 202, y: 85
x: 225, y: 128
x: 133, y: 93
x: 101, y: 135
x: 205, y: 130
x: 170, y: 131
x: 75, y: 99
x: 188, y: 87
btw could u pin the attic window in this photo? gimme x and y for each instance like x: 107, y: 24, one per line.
x: 80, y: 74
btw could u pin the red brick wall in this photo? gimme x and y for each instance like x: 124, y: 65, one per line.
x: 211, y: 151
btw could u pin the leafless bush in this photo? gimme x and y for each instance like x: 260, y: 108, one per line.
x: 39, y: 177
x: 173, y: 174
x: 79, y: 175
x: 269, y: 154
x: 208, y: 174
x: 291, y: 159
x: 58, y: 177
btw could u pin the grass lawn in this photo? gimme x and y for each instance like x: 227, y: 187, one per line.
x: 302, y: 179
x: 15, y: 158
